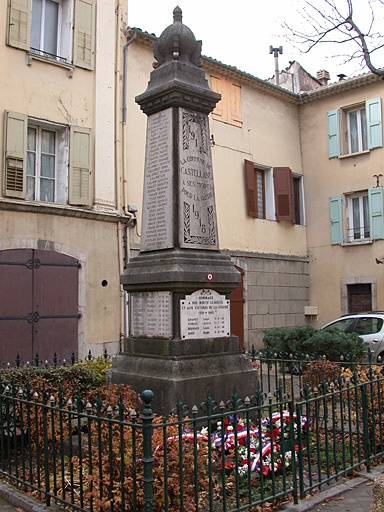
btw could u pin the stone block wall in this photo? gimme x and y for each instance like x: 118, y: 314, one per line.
x: 276, y: 289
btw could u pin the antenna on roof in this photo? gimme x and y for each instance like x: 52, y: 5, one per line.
x: 276, y: 52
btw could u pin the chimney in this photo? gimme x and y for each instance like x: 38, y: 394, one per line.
x: 323, y: 76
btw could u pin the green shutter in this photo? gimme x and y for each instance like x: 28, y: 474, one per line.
x: 84, y: 34
x: 80, y: 166
x: 333, y: 125
x: 375, y: 201
x: 15, y: 157
x: 336, y: 215
x: 374, y: 124
x: 19, y: 26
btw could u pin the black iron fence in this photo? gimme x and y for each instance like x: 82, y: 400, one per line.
x: 38, y: 362
x: 282, y: 441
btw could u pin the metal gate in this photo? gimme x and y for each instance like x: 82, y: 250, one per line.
x: 38, y: 305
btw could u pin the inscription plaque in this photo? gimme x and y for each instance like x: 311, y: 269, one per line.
x: 205, y: 314
x: 157, y: 225
x: 151, y: 314
x: 197, y: 209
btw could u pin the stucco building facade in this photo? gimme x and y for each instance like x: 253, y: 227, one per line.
x: 298, y: 208
x: 61, y: 200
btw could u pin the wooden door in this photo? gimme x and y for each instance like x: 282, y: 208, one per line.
x: 359, y: 298
x: 38, y: 305
x: 237, y: 309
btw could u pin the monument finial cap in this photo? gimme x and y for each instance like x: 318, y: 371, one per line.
x: 177, y: 15
x: 177, y: 43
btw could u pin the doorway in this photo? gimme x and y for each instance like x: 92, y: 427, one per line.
x: 38, y: 305
x: 359, y: 298
x: 237, y: 309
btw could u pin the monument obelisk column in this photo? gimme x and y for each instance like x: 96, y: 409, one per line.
x: 180, y: 341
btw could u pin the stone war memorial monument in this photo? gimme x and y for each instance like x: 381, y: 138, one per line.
x: 180, y: 343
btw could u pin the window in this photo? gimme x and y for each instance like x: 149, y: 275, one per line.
x: 273, y: 193
x: 41, y: 165
x: 369, y: 325
x: 358, y: 217
x: 45, y: 28
x: 288, y: 195
x: 255, y: 183
x: 363, y: 216
x: 343, y: 325
x: 355, y: 129
x: 228, y: 109
x: 296, y: 200
x: 47, y: 162
x: 257, y: 180
x: 45, y: 32
x: 260, y: 193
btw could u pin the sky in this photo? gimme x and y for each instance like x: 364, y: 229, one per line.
x: 239, y: 33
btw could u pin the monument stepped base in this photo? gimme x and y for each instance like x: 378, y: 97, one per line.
x: 187, y: 379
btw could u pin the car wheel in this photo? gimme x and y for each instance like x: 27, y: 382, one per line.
x: 381, y: 355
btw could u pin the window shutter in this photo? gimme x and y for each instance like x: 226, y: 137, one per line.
x: 235, y: 104
x: 80, y: 166
x: 333, y: 124
x: 282, y: 178
x: 217, y: 86
x: 250, y: 185
x: 15, y: 161
x: 19, y: 27
x: 375, y: 201
x: 374, y: 123
x: 84, y: 34
x: 336, y: 215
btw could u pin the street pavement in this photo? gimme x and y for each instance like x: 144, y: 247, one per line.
x: 352, y: 495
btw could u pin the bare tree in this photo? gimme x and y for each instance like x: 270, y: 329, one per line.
x: 334, y: 21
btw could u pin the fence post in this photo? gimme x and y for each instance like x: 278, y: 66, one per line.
x: 147, y: 418
x: 366, y: 428
x: 46, y: 448
x: 293, y: 449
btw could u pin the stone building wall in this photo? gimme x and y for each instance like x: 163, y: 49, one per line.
x: 276, y: 289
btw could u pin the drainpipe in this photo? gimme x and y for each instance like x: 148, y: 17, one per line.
x: 120, y: 165
x: 125, y: 73
x: 122, y: 230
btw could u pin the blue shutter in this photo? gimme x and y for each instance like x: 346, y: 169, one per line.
x: 333, y: 124
x: 375, y: 201
x: 336, y: 214
x: 374, y: 124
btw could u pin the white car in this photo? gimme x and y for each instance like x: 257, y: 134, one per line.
x: 369, y: 326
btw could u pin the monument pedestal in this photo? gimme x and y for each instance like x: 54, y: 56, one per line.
x: 180, y: 343
x: 217, y: 368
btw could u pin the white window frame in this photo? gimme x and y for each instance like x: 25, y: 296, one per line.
x: 61, y: 161
x: 361, y: 142
x: 41, y: 50
x: 269, y: 198
x: 299, y: 177
x: 37, y: 161
x: 64, y: 33
x: 350, y: 217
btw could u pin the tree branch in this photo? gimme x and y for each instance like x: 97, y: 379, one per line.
x: 328, y: 24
